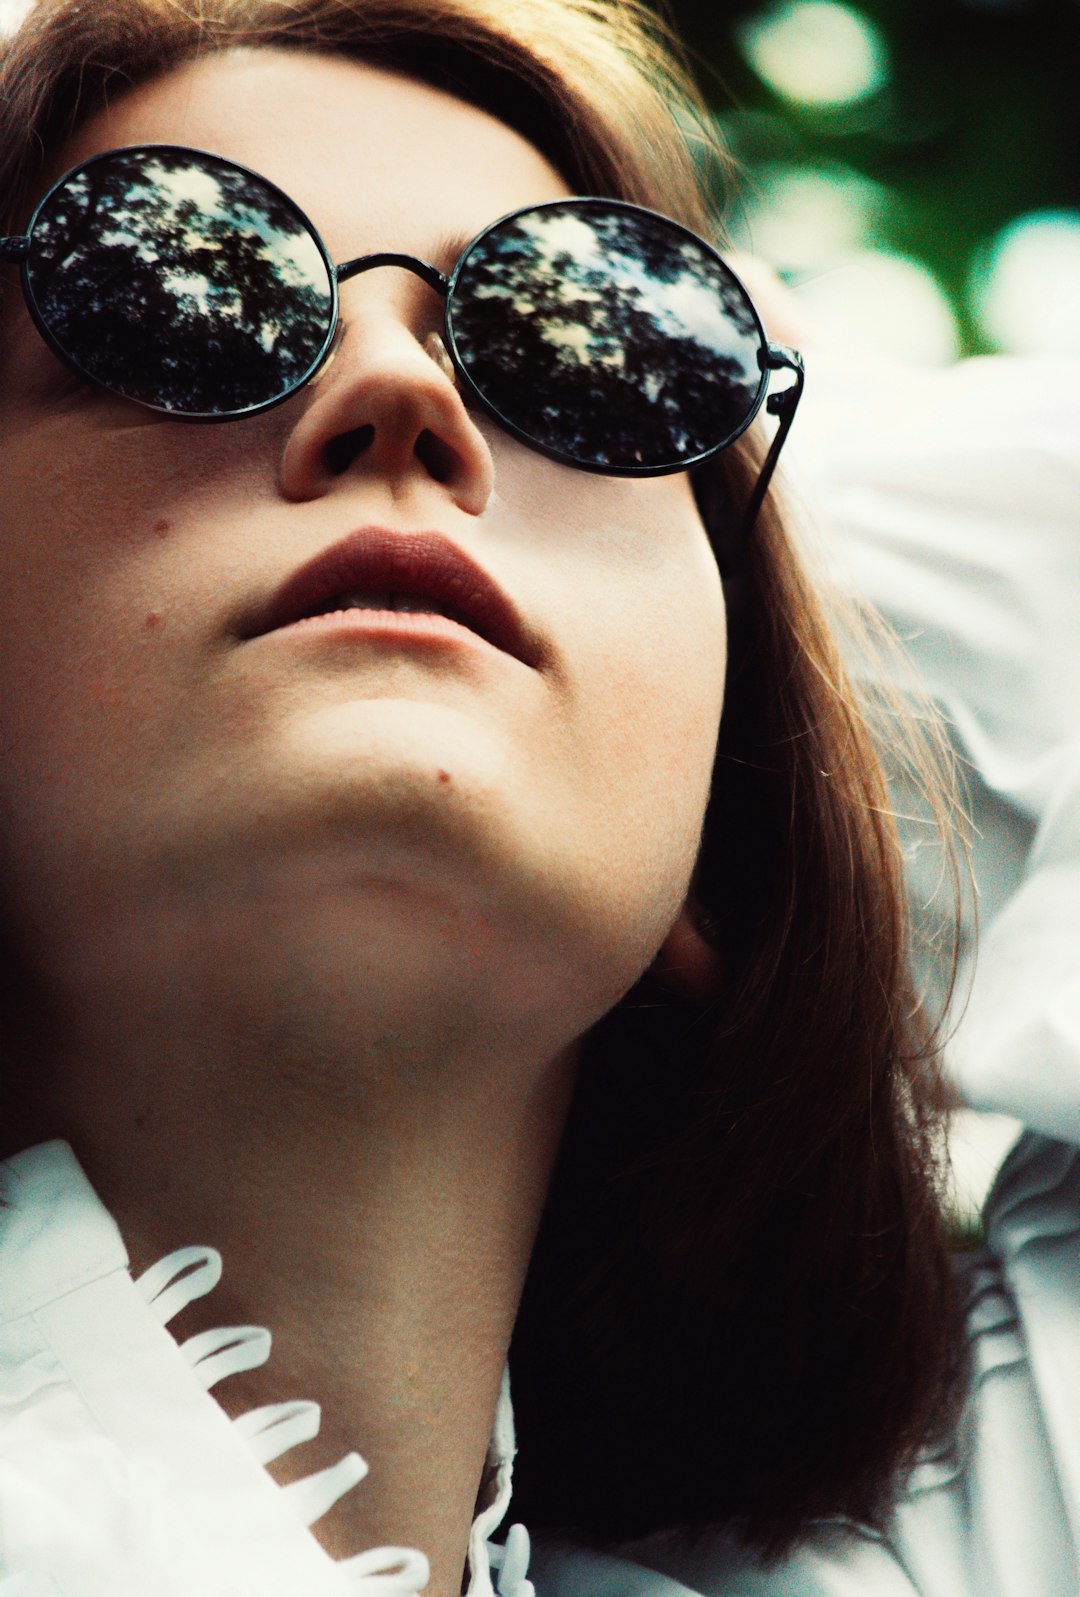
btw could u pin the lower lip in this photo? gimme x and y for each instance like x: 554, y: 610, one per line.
x: 396, y: 626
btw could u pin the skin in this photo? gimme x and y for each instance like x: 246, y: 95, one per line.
x: 307, y: 940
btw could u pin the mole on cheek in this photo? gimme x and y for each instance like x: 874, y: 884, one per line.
x: 152, y: 619
x: 444, y: 776
x: 161, y: 526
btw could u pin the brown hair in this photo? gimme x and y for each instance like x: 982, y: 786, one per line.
x: 740, y: 1307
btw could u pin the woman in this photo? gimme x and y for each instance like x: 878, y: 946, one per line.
x: 545, y: 1002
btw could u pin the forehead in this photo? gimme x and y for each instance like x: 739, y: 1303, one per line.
x: 376, y: 159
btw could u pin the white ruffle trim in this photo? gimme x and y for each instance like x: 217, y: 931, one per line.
x: 190, y: 1273
x: 120, y: 1476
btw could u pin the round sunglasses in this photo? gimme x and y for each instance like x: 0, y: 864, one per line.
x: 600, y: 333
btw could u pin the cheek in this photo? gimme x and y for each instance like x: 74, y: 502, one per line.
x: 81, y: 630
x: 639, y: 689
x: 656, y: 673
x: 642, y: 759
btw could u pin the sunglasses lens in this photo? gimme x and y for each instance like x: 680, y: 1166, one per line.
x: 179, y: 280
x: 610, y: 336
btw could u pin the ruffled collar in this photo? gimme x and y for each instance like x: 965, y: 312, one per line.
x: 120, y: 1473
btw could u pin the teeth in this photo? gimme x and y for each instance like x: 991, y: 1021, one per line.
x: 387, y: 601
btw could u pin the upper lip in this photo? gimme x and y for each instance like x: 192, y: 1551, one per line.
x: 421, y: 564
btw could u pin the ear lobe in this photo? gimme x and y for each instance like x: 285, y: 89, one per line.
x: 686, y: 963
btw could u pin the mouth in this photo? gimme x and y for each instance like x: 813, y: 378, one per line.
x: 417, y: 572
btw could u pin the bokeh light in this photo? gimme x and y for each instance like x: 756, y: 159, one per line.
x: 804, y: 218
x: 817, y: 52
x: 827, y: 230
x: 1025, y: 288
x: 934, y: 131
x: 885, y: 306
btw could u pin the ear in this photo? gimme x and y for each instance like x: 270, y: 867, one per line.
x: 686, y: 963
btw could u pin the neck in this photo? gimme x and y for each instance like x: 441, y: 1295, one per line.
x: 375, y: 1195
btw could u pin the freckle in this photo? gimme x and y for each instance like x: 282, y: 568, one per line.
x: 162, y: 526
x: 444, y: 776
x: 152, y: 619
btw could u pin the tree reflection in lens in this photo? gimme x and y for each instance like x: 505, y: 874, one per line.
x: 611, y: 335
x: 177, y: 279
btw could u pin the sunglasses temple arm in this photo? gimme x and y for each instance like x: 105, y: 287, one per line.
x: 13, y: 249
x: 783, y: 405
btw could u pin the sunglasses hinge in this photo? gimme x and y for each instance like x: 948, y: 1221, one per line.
x: 14, y: 249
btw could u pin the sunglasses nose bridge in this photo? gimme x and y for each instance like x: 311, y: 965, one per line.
x: 430, y: 275
x: 411, y: 263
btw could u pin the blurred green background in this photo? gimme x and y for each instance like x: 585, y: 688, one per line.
x: 911, y: 167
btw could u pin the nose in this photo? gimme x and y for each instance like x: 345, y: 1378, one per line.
x: 388, y: 409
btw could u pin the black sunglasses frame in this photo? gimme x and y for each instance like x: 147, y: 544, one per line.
x: 771, y: 357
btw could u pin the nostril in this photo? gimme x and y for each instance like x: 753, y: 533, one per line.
x: 436, y: 456
x: 343, y: 450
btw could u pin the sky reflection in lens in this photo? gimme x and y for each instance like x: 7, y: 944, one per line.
x: 177, y: 279
x: 610, y: 335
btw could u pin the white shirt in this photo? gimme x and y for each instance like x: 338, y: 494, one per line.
x: 954, y: 505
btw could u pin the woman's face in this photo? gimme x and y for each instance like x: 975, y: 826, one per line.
x: 154, y: 763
